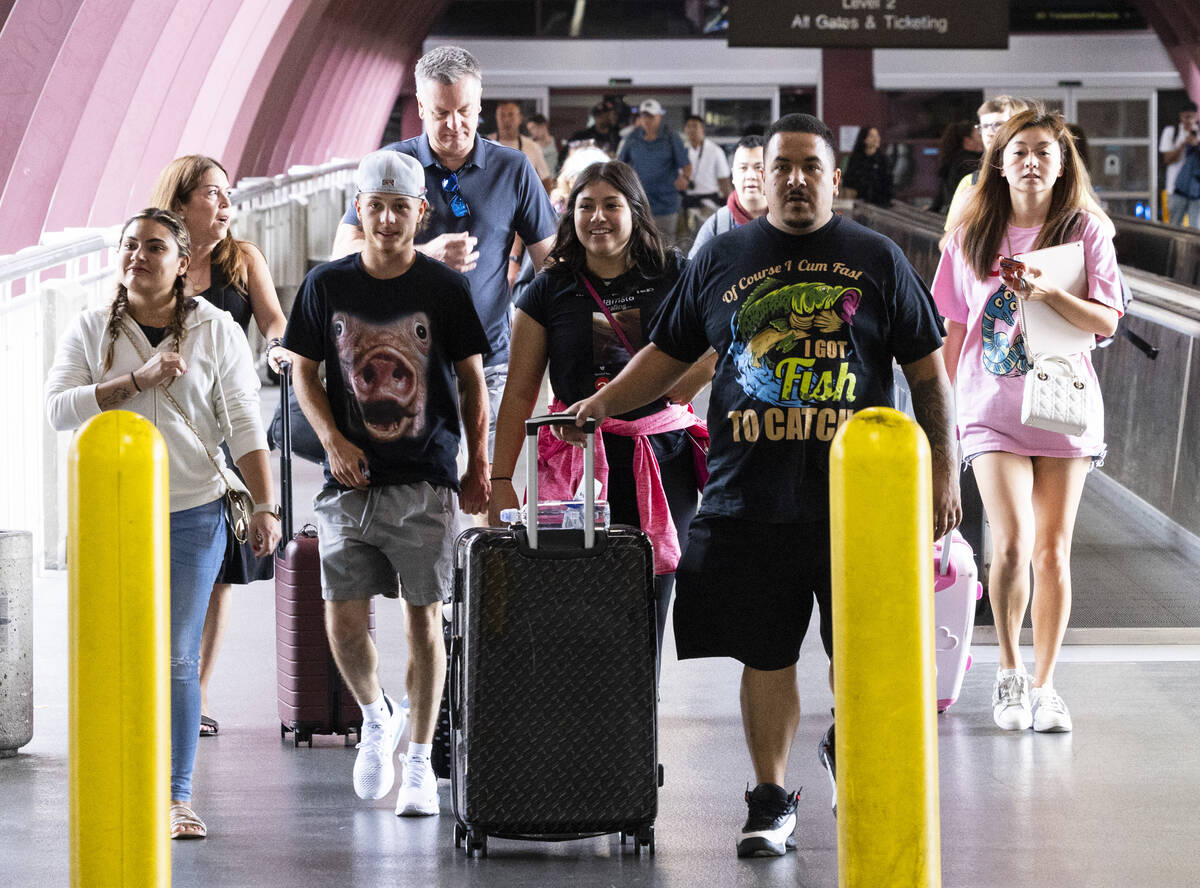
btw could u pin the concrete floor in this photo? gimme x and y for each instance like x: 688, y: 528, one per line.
x: 1112, y: 804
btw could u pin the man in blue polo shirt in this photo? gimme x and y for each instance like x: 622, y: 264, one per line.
x: 480, y: 195
x: 658, y: 157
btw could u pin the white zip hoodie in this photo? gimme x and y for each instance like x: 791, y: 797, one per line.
x: 219, y: 393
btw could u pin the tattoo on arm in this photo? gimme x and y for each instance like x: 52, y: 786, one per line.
x: 934, y: 406
x: 116, y: 397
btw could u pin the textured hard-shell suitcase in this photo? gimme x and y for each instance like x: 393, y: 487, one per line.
x: 956, y: 588
x: 553, y: 708
x: 312, y: 697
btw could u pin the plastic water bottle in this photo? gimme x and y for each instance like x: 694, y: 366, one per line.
x: 559, y: 514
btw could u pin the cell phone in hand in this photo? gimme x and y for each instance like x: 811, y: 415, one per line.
x: 1014, y: 269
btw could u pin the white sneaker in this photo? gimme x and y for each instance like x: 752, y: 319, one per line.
x: 374, y: 772
x: 1050, y: 714
x: 418, y: 788
x: 1010, y: 700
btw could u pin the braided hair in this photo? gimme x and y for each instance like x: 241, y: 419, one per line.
x: 176, y: 329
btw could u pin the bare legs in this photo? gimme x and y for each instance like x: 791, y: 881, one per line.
x: 1031, y: 504
x: 357, y: 658
x: 770, y: 717
x: 211, y: 636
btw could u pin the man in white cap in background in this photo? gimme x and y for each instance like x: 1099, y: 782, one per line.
x: 403, y: 348
x: 658, y: 157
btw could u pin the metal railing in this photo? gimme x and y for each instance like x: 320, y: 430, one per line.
x: 292, y: 217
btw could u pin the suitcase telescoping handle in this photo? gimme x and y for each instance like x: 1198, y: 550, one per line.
x: 589, y: 473
x: 944, y: 560
x: 285, y: 453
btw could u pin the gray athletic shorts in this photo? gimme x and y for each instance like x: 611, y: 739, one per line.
x: 387, y: 540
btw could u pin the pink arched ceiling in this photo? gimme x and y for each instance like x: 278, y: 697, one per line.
x: 98, y: 95
x: 1177, y: 23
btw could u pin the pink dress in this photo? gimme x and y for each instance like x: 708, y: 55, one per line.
x: 990, y: 380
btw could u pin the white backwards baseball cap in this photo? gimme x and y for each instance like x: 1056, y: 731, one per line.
x: 651, y: 106
x: 390, y: 172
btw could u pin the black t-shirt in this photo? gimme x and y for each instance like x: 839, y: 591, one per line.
x: 584, y: 352
x: 805, y: 328
x: 389, y: 347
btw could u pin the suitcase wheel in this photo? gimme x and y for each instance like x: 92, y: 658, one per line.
x: 624, y: 836
x: 645, y: 837
x: 476, y: 841
x: 459, y: 835
x: 283, y: 729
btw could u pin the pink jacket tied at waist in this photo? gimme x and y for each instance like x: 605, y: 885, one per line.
x: 560, y: 470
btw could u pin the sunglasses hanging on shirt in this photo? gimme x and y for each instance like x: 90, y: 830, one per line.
x: 458, y: 206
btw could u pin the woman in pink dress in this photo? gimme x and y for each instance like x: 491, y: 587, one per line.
x: 1032, y: 193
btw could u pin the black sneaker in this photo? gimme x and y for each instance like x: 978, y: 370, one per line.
x: 827, y: 753
x: 771, y: 824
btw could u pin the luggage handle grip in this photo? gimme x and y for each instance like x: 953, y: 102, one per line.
x: 944, y: 560
x: 532, y: 425
x: 285, y: 454
x: 557, y: 419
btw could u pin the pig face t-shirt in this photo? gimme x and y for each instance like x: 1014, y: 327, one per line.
x: 389, y: 348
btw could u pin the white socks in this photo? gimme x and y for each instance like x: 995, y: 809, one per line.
x: 377, y: 711
x: 422, y: 750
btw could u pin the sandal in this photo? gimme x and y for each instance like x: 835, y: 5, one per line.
x: 185, y: 824
x: 209, y: 727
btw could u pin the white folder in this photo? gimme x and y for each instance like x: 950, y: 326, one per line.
x: 1046, y: 331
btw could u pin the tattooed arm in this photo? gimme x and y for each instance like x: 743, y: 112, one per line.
x: 933, y: 404
x: 115, y: 392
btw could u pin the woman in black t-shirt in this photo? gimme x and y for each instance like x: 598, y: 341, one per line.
x: 868, y: 171
x: 585, y: 317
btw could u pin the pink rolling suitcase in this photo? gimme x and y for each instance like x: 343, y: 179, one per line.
x: 956, y: 588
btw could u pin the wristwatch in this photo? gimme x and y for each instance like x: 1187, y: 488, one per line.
x: 269, y: 508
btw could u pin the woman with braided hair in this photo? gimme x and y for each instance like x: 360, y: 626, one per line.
x: 185, y: 366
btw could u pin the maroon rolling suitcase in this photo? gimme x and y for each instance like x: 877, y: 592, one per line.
x: 313, y: 699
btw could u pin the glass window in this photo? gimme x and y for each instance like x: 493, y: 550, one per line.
x: 1119, y: 167
x: 1114, y: 118
x: 730, y: 118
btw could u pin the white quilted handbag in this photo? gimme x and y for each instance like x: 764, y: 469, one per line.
x: 1057, y: 397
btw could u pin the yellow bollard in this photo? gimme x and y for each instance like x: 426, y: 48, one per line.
x: 883, y: 656
x: 119, y: 658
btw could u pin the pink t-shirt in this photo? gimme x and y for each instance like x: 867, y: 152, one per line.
x: 991, y: 368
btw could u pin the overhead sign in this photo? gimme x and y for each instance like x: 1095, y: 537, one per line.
x: 901, y: 24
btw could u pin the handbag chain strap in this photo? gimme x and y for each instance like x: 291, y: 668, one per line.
x: 187, y: 420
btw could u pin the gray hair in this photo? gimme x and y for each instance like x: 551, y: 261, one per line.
x: 446, y: 65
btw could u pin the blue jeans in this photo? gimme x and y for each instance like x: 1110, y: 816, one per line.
x: 197, y: 549
x: 1180, y: 205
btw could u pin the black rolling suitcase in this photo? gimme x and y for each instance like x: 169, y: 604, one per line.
x: 553, y: 703
x: 311, y: 695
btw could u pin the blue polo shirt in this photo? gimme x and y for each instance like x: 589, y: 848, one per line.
x: 657, y: 164
x: 504, y: 197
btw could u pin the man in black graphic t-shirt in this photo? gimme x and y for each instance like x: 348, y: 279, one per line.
x: 806, y: 311
x: 403, y: 347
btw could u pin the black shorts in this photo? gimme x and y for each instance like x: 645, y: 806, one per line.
x: 745, y: 589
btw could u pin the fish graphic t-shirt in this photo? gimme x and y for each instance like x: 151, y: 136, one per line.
x: 805, y: 328
x: 389, y: 348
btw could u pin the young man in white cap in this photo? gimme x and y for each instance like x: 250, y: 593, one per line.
x: 403, y: 347
x: 658, y: 157
x: 482, y: 195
